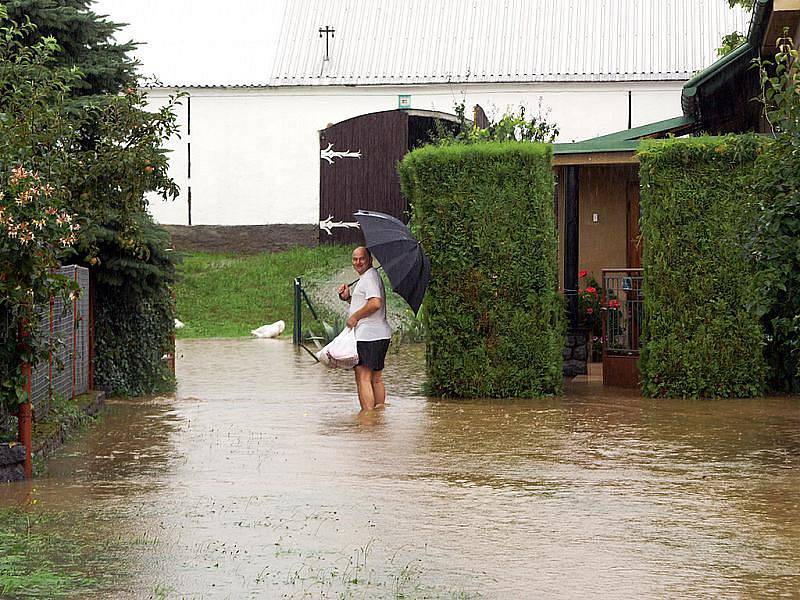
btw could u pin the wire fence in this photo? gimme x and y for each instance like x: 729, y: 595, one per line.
x: 8, y: 339
x: 623, y: 310
x: 64, y: 326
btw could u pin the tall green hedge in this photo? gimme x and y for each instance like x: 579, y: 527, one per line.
x: 484, y: 215
x: 702, y: 335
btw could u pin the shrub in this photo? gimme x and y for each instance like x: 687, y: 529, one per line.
x: 484, y: 214
x: 702, y: 336
x: 73, y: 179
x: 134, y: 312
x: 37, y: 224
x: 777, y: 244
x: 512, y: 126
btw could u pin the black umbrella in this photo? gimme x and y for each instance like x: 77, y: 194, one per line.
x: 399, y: 253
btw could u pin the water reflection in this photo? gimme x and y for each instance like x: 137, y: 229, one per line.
x: 260, y: 478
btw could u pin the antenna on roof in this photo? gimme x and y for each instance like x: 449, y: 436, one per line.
x: 328, y: 32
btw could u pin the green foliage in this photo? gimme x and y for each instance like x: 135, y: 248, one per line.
x: 702, y: 336
x: 734, y: 39
x: 589, y: 302
x: 117, y: 159
x: 511, y: 127
x: 412, y: 329
x: 27, y: 551
x: 36, y: 224
x: 105, y: 148
x: 484, y: 214
x: 730, y: 43
x: 780, y: 82
x: 777, y: 245
x: 99, y: 156
x: 65, y: 416
x: 134, y: 312
x: 86, y: 40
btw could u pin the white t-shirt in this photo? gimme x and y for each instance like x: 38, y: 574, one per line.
x: 375, y: 326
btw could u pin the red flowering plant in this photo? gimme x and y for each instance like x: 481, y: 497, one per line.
x: 589, y: 303
x: 34, y: 233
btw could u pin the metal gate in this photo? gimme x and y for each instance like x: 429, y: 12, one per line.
x: 623, y: 312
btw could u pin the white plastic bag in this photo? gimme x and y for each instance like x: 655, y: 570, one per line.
x: 342, y: 352
x: 269, y: 331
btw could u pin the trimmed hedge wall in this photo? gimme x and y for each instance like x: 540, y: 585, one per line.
x: 702, y: 335
x: 484, y: 214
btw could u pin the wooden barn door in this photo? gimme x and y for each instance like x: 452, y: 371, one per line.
x: 358, y: 170
x: 635, y: 242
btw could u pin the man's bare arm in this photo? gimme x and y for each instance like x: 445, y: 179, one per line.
x: 372, y: 305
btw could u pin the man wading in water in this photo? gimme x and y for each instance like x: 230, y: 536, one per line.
x: 368, y: 318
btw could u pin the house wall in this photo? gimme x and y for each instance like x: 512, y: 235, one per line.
x: 255, y: 151
x: 602, y: 245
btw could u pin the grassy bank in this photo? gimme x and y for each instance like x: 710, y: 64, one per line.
x: 226, y: 295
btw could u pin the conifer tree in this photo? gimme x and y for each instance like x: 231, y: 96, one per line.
x: 86, y: 41
x: 112, y: 159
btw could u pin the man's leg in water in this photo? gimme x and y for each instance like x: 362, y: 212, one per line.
x: 378, y: 389
x: 366, y: 396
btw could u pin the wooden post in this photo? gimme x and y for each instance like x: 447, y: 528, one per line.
x: 172, y: 335
x: 171, y: 357
x: 50, y: 352
x: 90, y: 329
x: 571, y: 242
x: 25, y: 418
x: 25, y: 415
x: 75, y: 317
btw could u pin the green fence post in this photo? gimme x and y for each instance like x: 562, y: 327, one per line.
x: 297, y: 314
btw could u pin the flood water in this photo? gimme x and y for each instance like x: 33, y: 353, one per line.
x: 258, y: 479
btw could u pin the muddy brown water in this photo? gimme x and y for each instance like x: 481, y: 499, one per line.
x: 258, y: 479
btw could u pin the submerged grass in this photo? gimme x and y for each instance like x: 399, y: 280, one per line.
x: 27, y: 543
x: 338, y: 575
x: 226, y: 295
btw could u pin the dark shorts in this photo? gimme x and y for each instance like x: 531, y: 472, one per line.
x: 372, y: 354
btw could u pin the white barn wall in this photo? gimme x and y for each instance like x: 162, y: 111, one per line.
x: 173, y: 211
x: 255, y: 151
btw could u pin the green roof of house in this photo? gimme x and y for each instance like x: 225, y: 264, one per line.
x: 718, y: 97
x: 628, y: 139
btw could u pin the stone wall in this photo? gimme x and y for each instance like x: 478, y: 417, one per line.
x: 12, y: 456
x: 242, y: 239
x: 12, y: 461
x: 576, y: 353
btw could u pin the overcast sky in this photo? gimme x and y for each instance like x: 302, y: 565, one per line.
x: 197, y: 41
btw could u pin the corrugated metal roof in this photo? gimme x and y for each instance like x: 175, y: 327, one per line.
x: 430, y: 41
